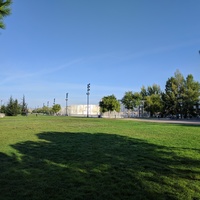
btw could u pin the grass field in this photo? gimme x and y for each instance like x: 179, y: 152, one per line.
x: 86, y: 158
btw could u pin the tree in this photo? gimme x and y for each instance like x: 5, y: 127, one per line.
x: 3, y: 109
x: 45, y: 110
x: 190, y: 96
x: 152, y: 99
x: 154, y: 89
x: 128, y: 101
x: 131, y: 100
x: 56, y: 108
x: 170, y: 96
x: 173, y: 97
x: 24, y: 109
x: 143, y: 92
x: 12, y: 108
x: 109, y: 103
x: 181, y: 95
x: 153, y: 104
x: 4, y: 11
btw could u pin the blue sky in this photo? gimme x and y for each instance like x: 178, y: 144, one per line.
x: 50, y: 48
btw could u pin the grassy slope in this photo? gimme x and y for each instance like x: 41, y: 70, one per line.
x: 78, y: 158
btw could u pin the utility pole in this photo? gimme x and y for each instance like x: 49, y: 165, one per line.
x: 54, y: 101
x: 66, y: 103
x: 88, y: 94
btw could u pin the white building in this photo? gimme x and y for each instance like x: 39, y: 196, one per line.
x: 81, y: 110
x: 94, y: 111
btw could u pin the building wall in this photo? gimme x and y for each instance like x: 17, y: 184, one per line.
x: 94, y: 111
x: 81, y: 110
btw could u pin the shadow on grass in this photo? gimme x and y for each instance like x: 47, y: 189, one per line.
x: 65, y: 165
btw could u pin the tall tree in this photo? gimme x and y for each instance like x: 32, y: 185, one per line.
x: 153, y: 104
x: 143, y: 92
x: 170, y: 96
x: 152, y: 99
x: 131, y: 100
x: 12, y: 108
x: 24, y: 109
x: 191, y: 96
x: 154, y: 89
x: 109, y: 103
x: 4, y: 11
x: 137, y: 99
x: 181, y: 94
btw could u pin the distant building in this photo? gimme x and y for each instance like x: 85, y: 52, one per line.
x: 94, y: 111
x: 81, y: 110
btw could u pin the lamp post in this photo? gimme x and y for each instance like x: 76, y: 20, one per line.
x: 66, y: 103
x: 88, y: 94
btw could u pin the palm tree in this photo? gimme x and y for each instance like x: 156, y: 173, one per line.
x: 4, y: 10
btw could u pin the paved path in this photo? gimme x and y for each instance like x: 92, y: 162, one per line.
x: 192, y: 122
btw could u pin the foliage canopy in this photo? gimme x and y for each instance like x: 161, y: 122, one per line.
x: 109, y: 103
x: 4, y: 11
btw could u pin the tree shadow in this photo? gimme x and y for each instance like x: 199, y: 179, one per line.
x: 64, y: 165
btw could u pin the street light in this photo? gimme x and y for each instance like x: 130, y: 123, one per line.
x: 88, y: 93
x: 66, y: 103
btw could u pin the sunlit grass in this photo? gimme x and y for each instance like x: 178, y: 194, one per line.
x: 79, y: 158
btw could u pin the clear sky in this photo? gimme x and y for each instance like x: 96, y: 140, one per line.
x: 53, y: 47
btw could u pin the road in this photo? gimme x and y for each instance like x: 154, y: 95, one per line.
x: 171, y: 121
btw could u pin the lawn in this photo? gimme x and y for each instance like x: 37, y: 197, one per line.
x: 54, y: 158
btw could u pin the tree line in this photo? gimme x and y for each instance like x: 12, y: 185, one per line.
x: 48, y: 110
x: 181, y: 97
x: 14, y: 108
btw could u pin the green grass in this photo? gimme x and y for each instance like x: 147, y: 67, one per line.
x: 86, y: 158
